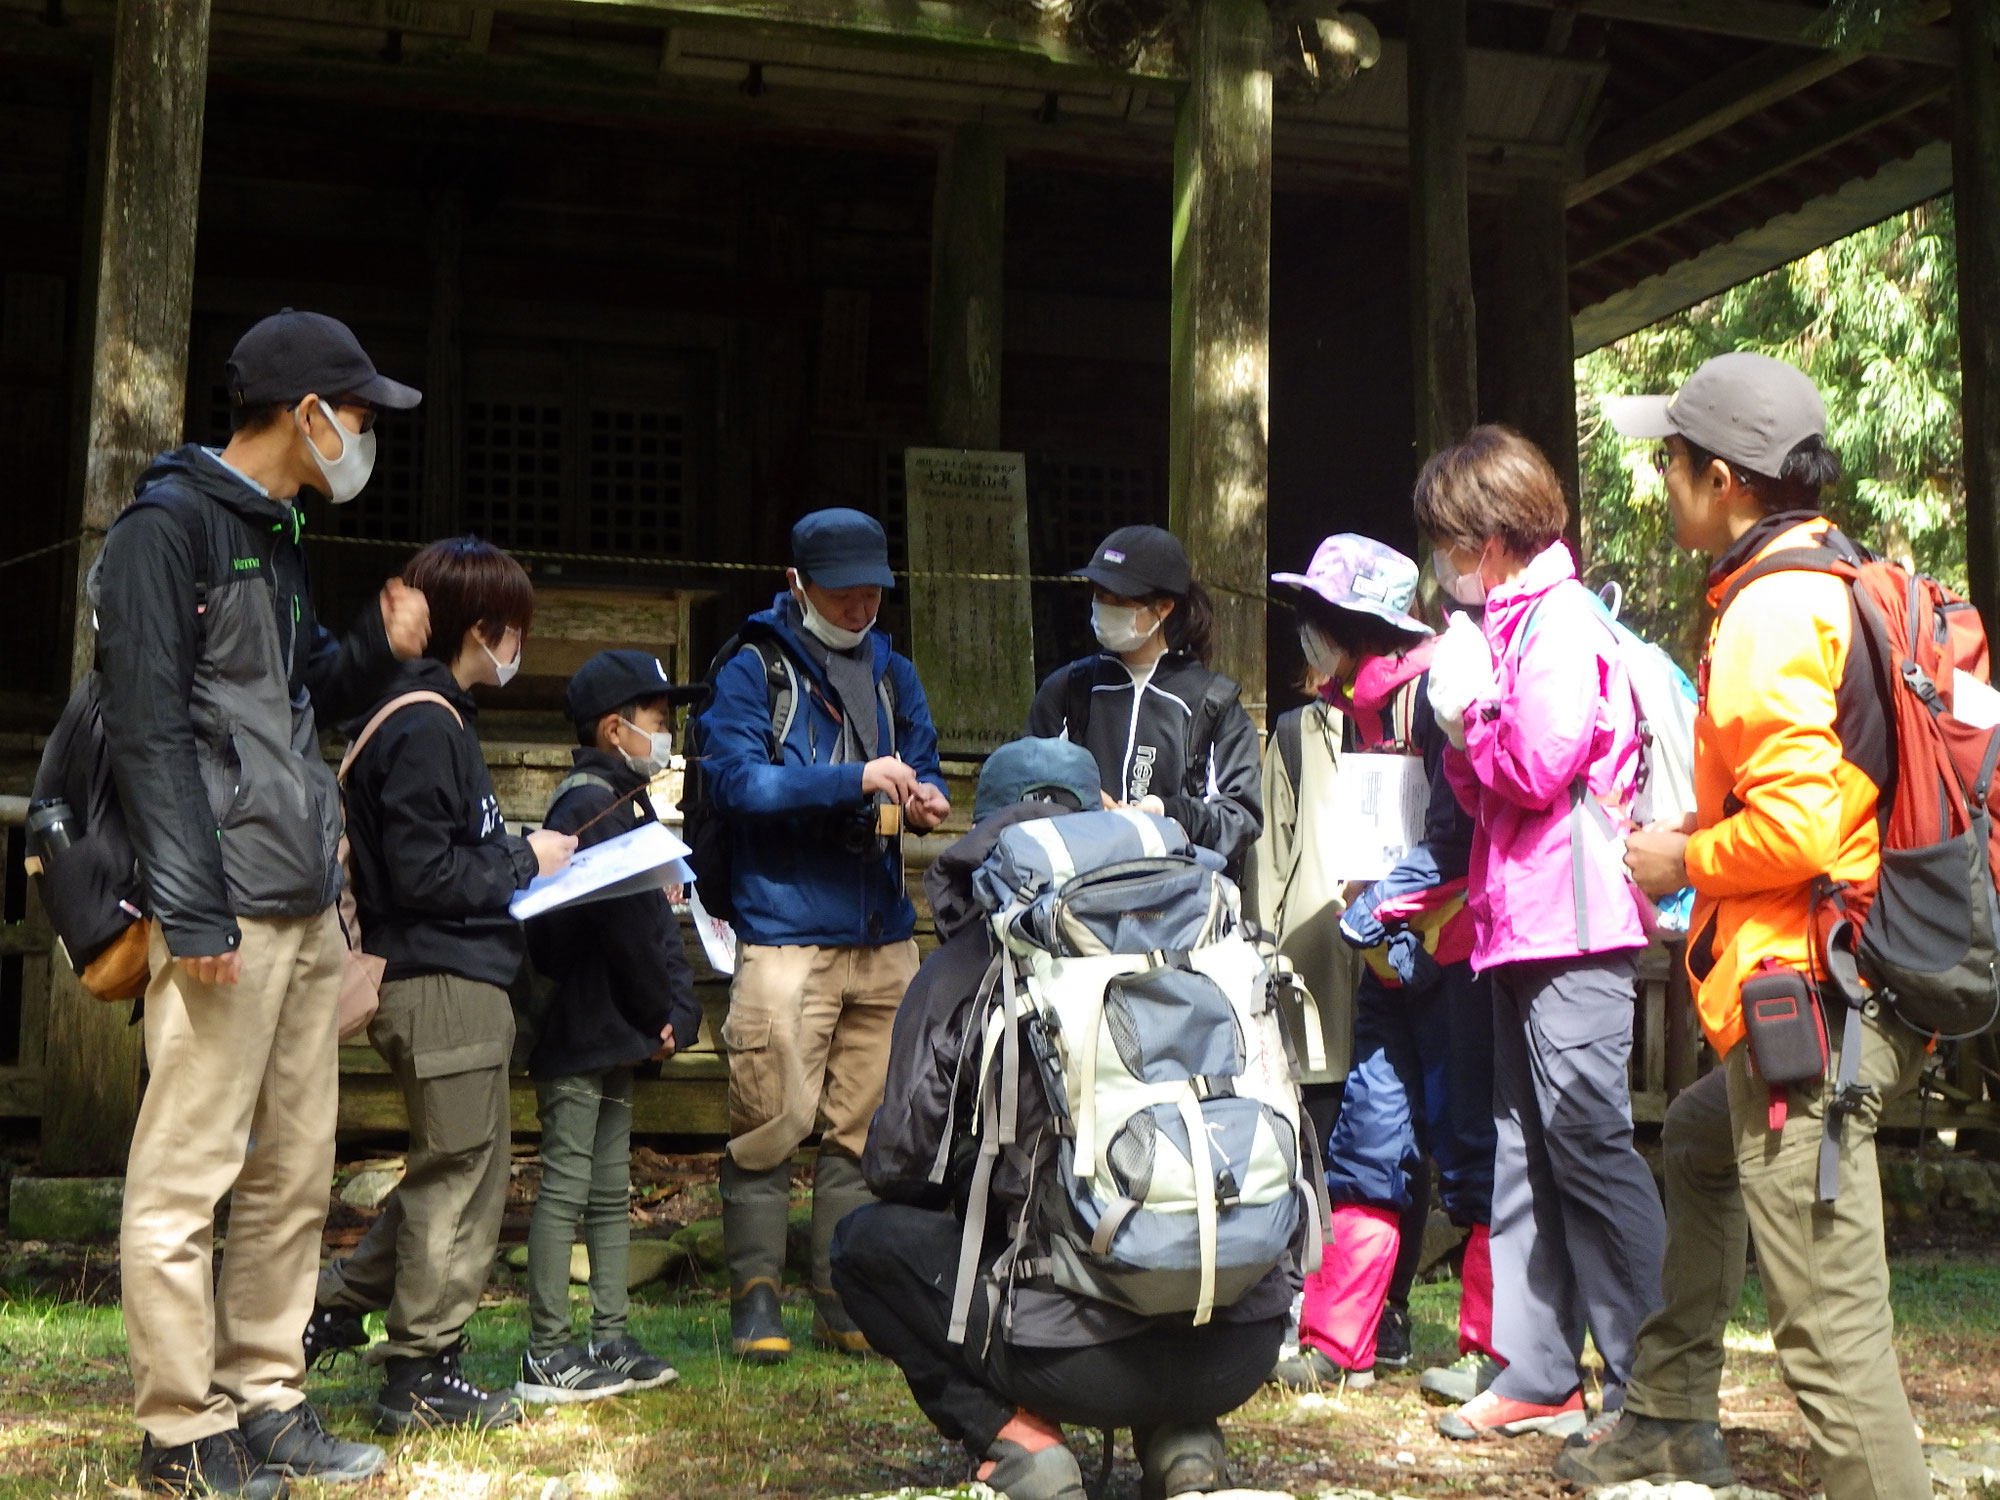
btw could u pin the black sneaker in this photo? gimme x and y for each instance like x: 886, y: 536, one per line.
x: 219, y: 1464
x: 626, y: 1356
x: 296, y: 1443
x: 568, y: 1375
x: 330, y: 1333
x: 1392, y: 1338
x: 424, y: 1393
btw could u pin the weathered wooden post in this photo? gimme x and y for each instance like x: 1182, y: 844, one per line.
x: 145, y: 294
x: 1221, y: 329
x: 1540, y: 396
x: 968, y: 247
x: 1446, y: 361
x: 1975, y: 167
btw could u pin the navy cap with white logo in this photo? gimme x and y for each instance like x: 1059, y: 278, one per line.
x: 1135, y: 561
x: 612, y: 679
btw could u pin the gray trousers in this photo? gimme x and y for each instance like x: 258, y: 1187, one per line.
x: 587, y: 1180
x: 1577, y: 1226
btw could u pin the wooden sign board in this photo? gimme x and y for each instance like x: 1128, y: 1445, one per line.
x: 972, y: 638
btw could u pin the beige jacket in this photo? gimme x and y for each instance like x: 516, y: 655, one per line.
x: 1291, y: 888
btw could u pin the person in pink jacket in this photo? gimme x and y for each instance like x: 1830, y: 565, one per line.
x: 1546, y: 756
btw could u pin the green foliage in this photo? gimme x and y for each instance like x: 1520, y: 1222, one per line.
x: 1857, y: 25
x: 1873, y: 319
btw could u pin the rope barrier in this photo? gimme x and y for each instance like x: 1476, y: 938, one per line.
x: 68, y: 541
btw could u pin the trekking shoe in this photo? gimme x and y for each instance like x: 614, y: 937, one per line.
x: 1179, y: 1459
x: 832, y: 1328
x: 1595, y: 1430
x: 756, y: 1326
x: 1049, y: 1473
x: 1392, y: 1338
x: 568, y: 1375
x: 1491, y: 1414
x: 296, y: 1443
x: 1311, y: 1370
x: 425, y: 1393
x: 1461, y: 1380
x: 1650, y: 1448
x: 626, y: 1356
x: 330, y: 1333
x: 219, y: 1464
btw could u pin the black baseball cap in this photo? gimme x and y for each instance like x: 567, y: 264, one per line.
x: 1139, y: 560
x: 291, y: 355
x: 842, y: 549
x: 612, y: 679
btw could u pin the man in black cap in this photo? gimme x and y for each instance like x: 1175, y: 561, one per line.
x: 214, y: 674
x: 817, y: 749
x: 625, y: 995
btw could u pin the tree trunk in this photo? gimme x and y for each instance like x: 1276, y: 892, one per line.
x: 1535, y: 327
x: 145, y: 292
x: 1220, y: 372
x: 1975, y: 162
x: 968, y: 257
x: 1446, y: 362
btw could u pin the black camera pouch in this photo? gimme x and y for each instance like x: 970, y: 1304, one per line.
x: 1787, y: 1029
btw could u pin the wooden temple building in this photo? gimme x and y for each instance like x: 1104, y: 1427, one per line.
x: 671, y: 272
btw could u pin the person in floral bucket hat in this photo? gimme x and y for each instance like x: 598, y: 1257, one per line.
x: 1420, y: 1085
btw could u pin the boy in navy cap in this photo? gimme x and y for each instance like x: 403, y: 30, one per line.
x: 626, y: 997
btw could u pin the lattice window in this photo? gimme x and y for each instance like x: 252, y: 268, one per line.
x: 1077, y: 503
x: 895, y: 507
x: 392, y: 503
x: 636, y: 481
x: 513, y: 473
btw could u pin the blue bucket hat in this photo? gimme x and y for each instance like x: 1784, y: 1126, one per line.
x: 1021, y: 768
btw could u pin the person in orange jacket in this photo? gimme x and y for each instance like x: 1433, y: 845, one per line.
x: 1791, y: 745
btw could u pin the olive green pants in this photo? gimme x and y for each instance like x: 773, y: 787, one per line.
x: 1730, y: 1178
x: 587, y: 1180
x: 426, y: 1260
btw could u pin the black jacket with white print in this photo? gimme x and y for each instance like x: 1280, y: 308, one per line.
x: 434, y: 866
x: 1183, y: 737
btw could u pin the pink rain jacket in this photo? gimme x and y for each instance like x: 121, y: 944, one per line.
x: 1562, y: 706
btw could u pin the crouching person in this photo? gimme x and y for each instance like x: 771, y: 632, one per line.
x: 1031, y: 1355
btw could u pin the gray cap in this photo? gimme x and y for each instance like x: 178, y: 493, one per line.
x: 1749, y: 409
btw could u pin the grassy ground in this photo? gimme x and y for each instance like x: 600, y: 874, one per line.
x: 827, y: 1425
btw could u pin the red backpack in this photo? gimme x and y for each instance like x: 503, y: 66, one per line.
x: 1923, y: 938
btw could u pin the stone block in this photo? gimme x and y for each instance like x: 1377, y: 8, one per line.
x: 369, y: 1183
x: 701, y: 1242
x: 65, y: 1208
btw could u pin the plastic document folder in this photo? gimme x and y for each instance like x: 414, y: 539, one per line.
x: 1374, y: 813
x: 647, y: 859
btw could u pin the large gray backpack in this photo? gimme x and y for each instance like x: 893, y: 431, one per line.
x: 1179, y: 1176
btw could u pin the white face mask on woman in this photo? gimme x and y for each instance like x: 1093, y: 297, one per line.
x: 1321, y: 654
x: 1466, y: 588
x: 1116, y: 626
x: 503, y: 671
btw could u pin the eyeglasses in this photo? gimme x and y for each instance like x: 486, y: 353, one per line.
x: 1663, y: 460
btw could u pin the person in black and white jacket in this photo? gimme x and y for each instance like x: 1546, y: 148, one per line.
x: 1169, y: 736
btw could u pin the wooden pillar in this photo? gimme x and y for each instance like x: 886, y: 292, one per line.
x: 145, y: 295
x: 443, y: 411
x: 968, y: 243
x: 1975, y: 161
x: 1446, y: 363
x: 1221, y: 328
x: 1540, y: 378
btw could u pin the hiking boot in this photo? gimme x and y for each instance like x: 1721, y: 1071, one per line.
x: 1491, y: 1414
x: 1311, y: 1370
x: 1048, y: 1473
x: 1461, y: 1380
x: 296, y: 1443
x: 426, y: 1393
x: 832, y: 1328
x: 756, y: 1326
x: 219, y: 1464
x: 1650, y: 1448
x: 1392, y: 1338
x: 1595, y: 1430
x: 626, y: 1356
x: 330, y: 1333
x: 1179, y: 1459
x: 566, y: 1376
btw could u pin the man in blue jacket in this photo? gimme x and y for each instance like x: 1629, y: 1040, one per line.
x: 816, y: 779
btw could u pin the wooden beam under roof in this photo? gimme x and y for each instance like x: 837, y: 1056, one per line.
x: 1754, y: 20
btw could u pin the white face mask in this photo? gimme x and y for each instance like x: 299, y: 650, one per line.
x: 1466, y: 588
x: 1117, y: 626
x: 656, y: 758
x: 824, y: 630
x: 503, y: 670
x: 1321, y: 654
x: 346, y: 475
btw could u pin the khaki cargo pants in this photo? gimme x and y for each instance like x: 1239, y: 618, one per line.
x: 1825, y: 1275
x: 426, y: 1260
x: 808, y: 1045
x: 241, y: 1101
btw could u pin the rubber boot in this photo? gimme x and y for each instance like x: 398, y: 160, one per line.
x: 1475, y: 1295
x: 753, y: 1241
x: 838, y: 1189
x: 1344, y: 1297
